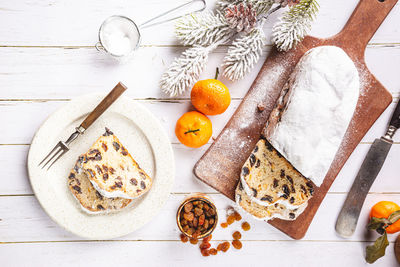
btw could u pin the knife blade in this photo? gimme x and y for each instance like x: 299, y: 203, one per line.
x: 369, y: 170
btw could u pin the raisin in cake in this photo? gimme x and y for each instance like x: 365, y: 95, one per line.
x: 268, y: 178
x: 91, y: 200
x: 112, y: 170
x: 265, y: 212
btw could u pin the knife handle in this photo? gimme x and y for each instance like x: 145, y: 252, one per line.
x: 395, y: 120
x: 104, y: 104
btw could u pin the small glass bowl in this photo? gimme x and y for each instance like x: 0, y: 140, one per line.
x: 197, y: 197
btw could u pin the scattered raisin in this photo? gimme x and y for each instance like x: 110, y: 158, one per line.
x: 184, y: 238
x: 224, y: 246
x: 205, y: 246
x: 237, y: 244
x: 245, y: 226
x: 108, y: 132
x: 237, y: 235
x: 276, y: 183
x: 205, y: 252
x: 207, y: 239
x: 292, y: 215
x: 100, y: 207
x: 213, y: 251
x: 194, y: 241
x: 230, y: 219
x: 238, y: 217
x: 133, y: 181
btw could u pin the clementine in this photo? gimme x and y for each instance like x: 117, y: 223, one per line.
x: 210, y: 97
x: 383, y: 209
x: 193, y: 129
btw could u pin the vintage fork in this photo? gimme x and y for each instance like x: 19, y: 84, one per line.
x: 63, y: 147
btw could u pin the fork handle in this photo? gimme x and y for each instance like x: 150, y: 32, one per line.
x: 104, y: 104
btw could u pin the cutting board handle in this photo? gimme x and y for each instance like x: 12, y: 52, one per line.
x: 363, y: 23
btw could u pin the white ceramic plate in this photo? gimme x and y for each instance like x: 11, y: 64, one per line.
x: 141, y: 134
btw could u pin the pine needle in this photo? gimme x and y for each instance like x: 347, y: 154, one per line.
x: 202, y: 29
x: 185, y: 70
x: 243, y: 54
x: 294, y: 24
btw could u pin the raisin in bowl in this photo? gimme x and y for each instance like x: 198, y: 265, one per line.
x: 197, y: 216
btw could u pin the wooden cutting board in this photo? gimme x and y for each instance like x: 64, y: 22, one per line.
x: 221, y: 164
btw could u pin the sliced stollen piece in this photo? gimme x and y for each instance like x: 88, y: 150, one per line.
x: 269, y: 179
x: 90, y: 200
x: 265, y: 213
x: 112, y: 170
x: 313, y: 113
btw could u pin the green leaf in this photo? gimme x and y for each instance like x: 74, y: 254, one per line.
x: 394, y: 217
x: 377, y: 250
x: 377, y: 223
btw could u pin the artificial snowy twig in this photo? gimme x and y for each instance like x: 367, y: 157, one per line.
x: 185, y: 70
x: 243, y: 54
x: 202, y: 29
x: 294, y: 24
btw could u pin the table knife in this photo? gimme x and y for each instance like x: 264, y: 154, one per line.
x: 372, y: 164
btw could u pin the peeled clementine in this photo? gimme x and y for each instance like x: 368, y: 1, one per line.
x: 210, y: 97
x: 382, y: 210
x: 193, y: 129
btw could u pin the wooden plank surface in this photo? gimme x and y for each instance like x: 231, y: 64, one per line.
x: 47, y: 57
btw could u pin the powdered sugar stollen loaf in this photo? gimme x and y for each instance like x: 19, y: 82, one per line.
x: 314, y: 111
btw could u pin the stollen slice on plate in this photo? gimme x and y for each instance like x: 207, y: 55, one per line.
x: 89, y: 198
x: 112, y: 170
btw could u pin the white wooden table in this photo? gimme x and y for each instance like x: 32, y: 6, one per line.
x: 47, y: 57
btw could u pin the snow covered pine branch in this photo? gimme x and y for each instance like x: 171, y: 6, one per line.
x: 207, y: 30
x: 294, y: 24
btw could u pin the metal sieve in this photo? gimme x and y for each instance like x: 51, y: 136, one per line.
x: 120, y: 36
